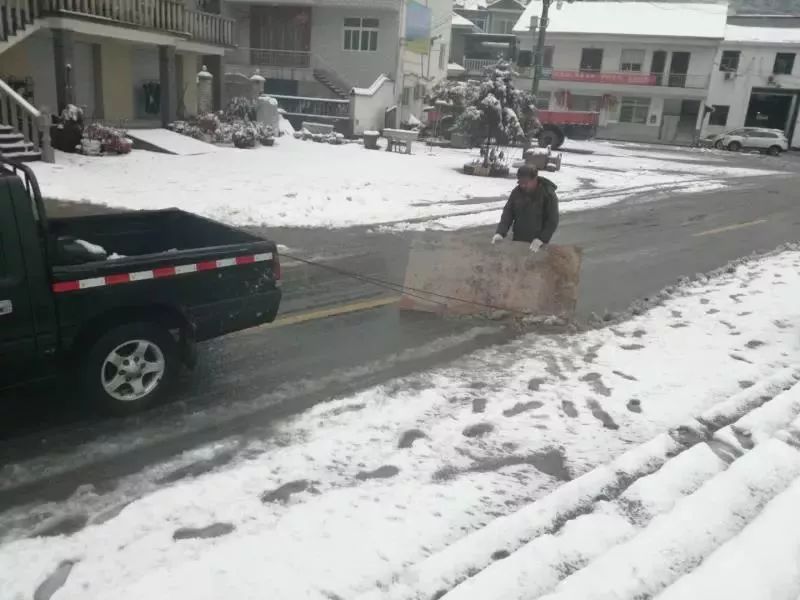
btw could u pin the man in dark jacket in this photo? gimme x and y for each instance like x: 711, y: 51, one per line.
x: 532, y: 210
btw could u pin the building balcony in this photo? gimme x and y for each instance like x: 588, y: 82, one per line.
x: 266, y: 58
x: 168, y: 16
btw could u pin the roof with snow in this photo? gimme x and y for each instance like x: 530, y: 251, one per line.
x: 459, y: 22
x: 484, y: 4
x: 653, y: 19
x: 762, y: 35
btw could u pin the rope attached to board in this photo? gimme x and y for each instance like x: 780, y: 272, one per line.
x: 398, y: 287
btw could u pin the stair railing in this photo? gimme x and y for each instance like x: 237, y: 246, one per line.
x: 33, y: 124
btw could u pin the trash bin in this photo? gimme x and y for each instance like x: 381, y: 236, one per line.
x: 371, y: 140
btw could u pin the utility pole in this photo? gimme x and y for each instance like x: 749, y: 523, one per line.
x: 539, y: 53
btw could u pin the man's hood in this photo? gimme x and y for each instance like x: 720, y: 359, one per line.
x: 547, y: 183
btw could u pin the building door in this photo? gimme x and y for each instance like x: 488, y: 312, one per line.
x: 658, y: 65
x: 678, y: 68
x: 771, y: 110
x: 83, y: 78
x: 690, y: 110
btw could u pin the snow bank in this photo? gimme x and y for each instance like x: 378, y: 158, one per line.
x: 680, y: 540
x: 760, y: 563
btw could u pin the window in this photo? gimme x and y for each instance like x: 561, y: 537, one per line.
x: 543, y: 100
x: 730, y: 61
x: 719, y: 115
x: 442, y: 57
x: 632, y: 60
x: 419, y: 91
x: 634, y: 110
x: 503, y: 25
x: 784, y: 63
x: 406, y: 99
x: 585, y: 103
x: 480, y: 23
x: 361, y: 34
x: 591, y: 59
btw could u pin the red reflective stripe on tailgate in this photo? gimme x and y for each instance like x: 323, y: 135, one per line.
x: 164, y: 272
x: 66, y: 286
x: 245, y: 260
x: 207, y: 265
x: 119, y: 278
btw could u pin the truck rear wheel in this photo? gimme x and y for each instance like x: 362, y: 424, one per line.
x: 552, y: 138
x: 129, y: 368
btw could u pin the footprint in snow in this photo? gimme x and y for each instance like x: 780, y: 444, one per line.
x: 632, y: 347
x: 601, y: 415
x: 741, y: 358
x: 477, y: 430
x: 521, y: 407
x: 535, y: 383
x: 214, y: 530
x: 409, y: 437
x: 753, y: 344
x: 625, y: 375
x: 54, y: 582
x: 634, y: 405
x: 595, y: 380
x: 384, y: 472
x: 478, y: 405
x: 569, y: 408
x: 283, y: 493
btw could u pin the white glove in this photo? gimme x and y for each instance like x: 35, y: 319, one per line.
x: 497, y: 238
x: 536, y: 245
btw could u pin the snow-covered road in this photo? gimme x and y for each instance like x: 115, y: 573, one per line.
x: 306, y: 184
x: 644, y: 458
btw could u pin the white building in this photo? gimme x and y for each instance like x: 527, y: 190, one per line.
x: 756, y: 81
x: 644, y: 66
x: 320, y: 56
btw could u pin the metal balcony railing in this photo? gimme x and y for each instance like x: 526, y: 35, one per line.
x: 681, y: 80
x: 161, y: 15
x: 300, y: 106
x: 265, y: 57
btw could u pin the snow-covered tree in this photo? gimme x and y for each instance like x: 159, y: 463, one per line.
x: 491, y: 111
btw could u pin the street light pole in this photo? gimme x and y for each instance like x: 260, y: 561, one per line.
x: 539, y: 53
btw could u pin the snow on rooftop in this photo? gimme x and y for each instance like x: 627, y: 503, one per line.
x: 459, y: 21
x: 765, y: 35
x: 664, y: 19
x: 471, y: 4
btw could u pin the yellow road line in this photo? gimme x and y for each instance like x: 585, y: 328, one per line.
x: 729, y: 228
x: 333, y: 311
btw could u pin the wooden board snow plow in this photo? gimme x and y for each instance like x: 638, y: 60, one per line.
x: 452, y: 275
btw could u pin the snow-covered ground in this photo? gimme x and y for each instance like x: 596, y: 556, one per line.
x: 307, y: 184
x: 655, y: 456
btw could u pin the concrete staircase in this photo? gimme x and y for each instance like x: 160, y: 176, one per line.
x: 332, y: 82
x: 14, y: 146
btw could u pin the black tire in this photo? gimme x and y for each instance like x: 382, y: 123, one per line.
x: 552, y: 138
x: 719, y: 145
x: 734, y: 146
x: 118, y: 341
x: 774, y: 150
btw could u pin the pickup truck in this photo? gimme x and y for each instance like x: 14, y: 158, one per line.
x: 122, y: 319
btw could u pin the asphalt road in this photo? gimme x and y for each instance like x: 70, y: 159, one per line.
x: 338, y: 335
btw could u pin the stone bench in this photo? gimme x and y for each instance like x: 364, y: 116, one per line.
x: 312, y: 127
x: 400, y: 139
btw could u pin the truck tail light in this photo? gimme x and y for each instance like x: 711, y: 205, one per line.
x: 276, y: 266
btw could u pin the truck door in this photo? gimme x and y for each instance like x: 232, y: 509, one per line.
x: 17, y: 341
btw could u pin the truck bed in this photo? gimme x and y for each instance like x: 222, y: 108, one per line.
x: 222, y: 279
x: 142, y: 233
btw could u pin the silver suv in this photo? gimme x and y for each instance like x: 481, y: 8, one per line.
x: 771, y: 141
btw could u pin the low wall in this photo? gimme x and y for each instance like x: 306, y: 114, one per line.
x: 368, y: 105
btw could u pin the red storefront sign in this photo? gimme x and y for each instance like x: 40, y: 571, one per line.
x: 590, y: 77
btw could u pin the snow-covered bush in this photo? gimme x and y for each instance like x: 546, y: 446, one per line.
x: 112, y: 140
x: 244, y: 135
x: 239, y: 109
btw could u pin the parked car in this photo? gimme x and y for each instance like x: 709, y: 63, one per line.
x: 715, y: 140
x: 116, y: 302
x: 771, y: 141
